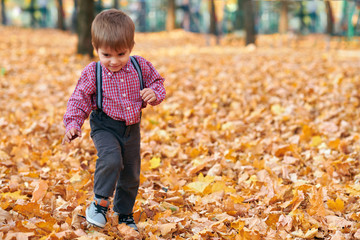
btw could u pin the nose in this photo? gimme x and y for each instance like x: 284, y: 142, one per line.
x: 114, y: 61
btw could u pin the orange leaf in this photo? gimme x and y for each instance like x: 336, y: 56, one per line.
x: 40, y: 191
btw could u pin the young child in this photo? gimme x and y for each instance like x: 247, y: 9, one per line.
x: 115, y: 128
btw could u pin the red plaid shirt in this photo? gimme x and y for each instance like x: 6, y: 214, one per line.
x: 121, y: 93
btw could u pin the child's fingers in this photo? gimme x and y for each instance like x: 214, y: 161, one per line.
x: 78, y: 133
x: 65, y: 139
x: 148, y: 95
x: 71, y: 135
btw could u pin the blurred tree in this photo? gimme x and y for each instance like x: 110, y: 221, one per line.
x: 43, y: 8
x: 3, y: 13
x: 85, y: 18
x: 32, y: 10
x: 213, y: 21
x: 61, y: 15
x: 249, y: 21
x: 171, y: 15
x: 185, y: 7
x: 330, y: 17
x: 116, y: 4
x: 99, y: 6
x: 74, y: 17
x: 142, y: 16
x: 239, y: 22
x: 302, y: 17
x: 283, y: 24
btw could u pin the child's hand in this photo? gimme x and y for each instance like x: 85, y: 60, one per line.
x: 71, y: 135
x: 148, y: 95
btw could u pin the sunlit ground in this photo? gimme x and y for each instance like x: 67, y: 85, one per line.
x: 255, y: 142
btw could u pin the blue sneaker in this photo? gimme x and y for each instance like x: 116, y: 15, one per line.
x: 96, y: 212
x: 128, y: 220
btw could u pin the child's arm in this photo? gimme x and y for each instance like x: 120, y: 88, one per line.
x: 80, y: 104
x: 154, y: 91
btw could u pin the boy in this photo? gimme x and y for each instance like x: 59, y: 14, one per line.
x: 115, y: 128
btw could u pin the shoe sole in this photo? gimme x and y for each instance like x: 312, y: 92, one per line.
x: 95, y: 223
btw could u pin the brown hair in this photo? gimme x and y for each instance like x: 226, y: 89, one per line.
x: 113, y: 28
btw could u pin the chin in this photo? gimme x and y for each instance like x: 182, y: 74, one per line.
x: 115, y: 69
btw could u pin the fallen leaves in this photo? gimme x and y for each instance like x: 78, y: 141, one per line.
x: 251, y: 143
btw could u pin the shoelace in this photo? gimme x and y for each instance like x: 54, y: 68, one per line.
x: 101, y: 209
x: 128, y: 219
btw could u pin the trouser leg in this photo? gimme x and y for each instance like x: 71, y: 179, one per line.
x: 129, y: 179
x: 108, y: 164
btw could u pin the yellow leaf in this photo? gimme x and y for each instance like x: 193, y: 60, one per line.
x: 353, y: 190
x: 4, y: 156
x: 201, y: 184
x: 218, y: 186
x: 315, y: 141
x: 14, y: 195
x: 276, y: 109
x: 197, y: 186
x: 238, y: 225
x: 236, y: 198
x: 337, y: 205
x: 155, y: 162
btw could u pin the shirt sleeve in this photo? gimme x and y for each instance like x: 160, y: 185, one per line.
x: 152, y: 79
x: 80, y: 104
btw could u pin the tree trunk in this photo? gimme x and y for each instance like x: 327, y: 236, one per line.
x: 61, y: 13
x: 74, y: 17
x: 85, y: 18
x: 283, y: 24
x: 171, y: 17
x: 3, y: 13
x: 302, y: 17
x: 116, y: 4
x: 249, y: 20
x: 99, y: 6
x: 32, y: 13
x: 329, y: 14
x: 142, y: 16
x: 239, y: 18
x: 213, y: 22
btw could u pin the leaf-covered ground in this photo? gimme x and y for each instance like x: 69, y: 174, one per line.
x: 250, y: 143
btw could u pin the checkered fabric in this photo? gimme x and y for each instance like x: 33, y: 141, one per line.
x: 121, y: 93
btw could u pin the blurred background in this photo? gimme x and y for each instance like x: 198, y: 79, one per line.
x: 242, y: 18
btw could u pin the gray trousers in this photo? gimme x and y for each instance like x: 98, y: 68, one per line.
x: 118, y: 163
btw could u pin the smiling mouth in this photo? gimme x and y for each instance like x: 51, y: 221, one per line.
x: 115, y: 66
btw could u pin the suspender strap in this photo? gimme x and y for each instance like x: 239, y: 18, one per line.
x: 99, y: 80
x: 138, y: 70
x: 99, y: 85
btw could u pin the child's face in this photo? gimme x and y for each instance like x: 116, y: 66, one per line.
x: 112, y: 59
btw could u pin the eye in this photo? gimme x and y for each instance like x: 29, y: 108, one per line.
x: 105, y: 54
x: 121, y: 54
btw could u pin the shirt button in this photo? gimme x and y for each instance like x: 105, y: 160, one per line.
x: 109, y: 74
x: 124, y: 95
x: 121, y: 80
x: 128, y: 108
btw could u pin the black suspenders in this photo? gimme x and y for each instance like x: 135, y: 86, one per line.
x: 99, y: 81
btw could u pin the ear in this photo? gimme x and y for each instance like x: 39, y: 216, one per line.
x: 95, y: 47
